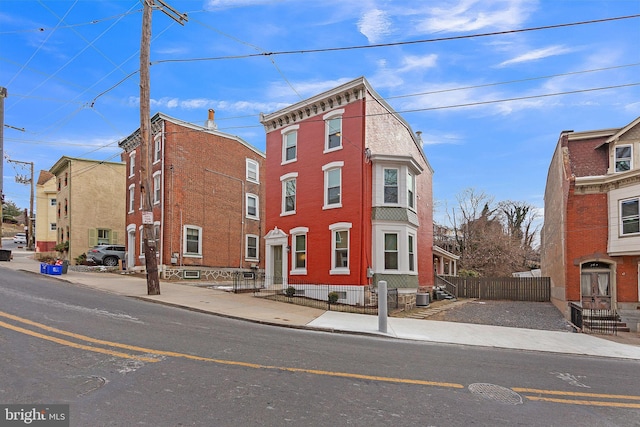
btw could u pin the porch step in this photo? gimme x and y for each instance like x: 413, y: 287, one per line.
x: 602, y: 325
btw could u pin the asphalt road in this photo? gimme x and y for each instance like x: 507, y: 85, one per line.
x: 124, y: 362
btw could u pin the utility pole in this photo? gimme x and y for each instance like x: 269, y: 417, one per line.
x: 3, y: 95
x: 146, y: 149
x: 149, y: 242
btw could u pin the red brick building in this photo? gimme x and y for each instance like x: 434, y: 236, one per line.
x: 207, y: 194
x: 591, y: 234
x: 349, y: 193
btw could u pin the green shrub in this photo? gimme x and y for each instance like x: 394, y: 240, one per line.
x: 333, y: 297
x: 290, y: 291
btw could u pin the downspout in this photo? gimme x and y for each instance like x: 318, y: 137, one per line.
x: 69, y: 207
x: 162, y: 199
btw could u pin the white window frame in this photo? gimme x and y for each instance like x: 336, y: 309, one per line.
x: 132, y: 163
x: 295, y: 233
x: 335, y: 229
x: 246, y: 247
x: 53, y: 226
x: 411, y: 190
x: 186, y: 254
x: 253, y: 168
x: 384, y: 186
x: 157, y: 148
x: 333, y: 115
x: 132, y: 193
x: 53, y: 202
x: 103, y: 231
x: 328, y: 169
x: 157, y: 187
x: 141, y: 235
x: 284, y: 179
x: 289, y: 130
x: 411, y: 252
x: 626, y: 160
x: 634, y: 217
x: 391, y: 251
x: 251, y: 196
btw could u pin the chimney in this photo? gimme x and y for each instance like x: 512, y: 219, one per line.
x: 211, y: 124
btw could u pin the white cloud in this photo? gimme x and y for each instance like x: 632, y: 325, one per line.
x: 537, y: 54
x: 374, y: 25
x: 224, y: 4
x: 411, y: 62
x: 475, y: 15
x: 283, y: 91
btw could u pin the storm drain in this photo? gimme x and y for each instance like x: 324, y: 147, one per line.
x: 496, y: 393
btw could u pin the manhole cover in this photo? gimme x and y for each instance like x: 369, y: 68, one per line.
x: 496, y: 393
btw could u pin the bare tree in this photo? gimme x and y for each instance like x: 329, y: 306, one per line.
x: 492, y: 240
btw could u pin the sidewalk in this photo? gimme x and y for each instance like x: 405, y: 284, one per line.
x: 247, y: 307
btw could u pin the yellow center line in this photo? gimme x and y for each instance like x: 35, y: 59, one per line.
x: 575, y: 393
x: 76, y: 345
x: 586, y: 402
x: 199, y: 358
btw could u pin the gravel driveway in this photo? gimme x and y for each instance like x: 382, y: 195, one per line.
x: 515, y: 314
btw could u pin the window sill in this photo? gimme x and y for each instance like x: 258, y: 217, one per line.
x: 288, y: 213
x: 336, y: 206
x: 331, y: 150
x: 255, y: 218
x: 192, y: 255
x: 286, y: 162
x: 298, y: 272
x: 339, y: 271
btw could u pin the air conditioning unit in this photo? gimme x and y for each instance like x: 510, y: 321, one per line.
x: 190, y: 274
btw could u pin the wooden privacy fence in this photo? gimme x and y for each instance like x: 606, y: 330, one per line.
x: 498, y: 288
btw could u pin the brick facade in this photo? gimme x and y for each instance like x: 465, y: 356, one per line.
x: 583, y: 228
x: 372, y: 135
x: 204, y: 183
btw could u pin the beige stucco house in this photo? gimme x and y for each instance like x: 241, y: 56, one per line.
x: 46, y: 208
x: 90, y: 203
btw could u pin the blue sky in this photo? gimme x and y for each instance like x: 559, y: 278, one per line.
x: 70, y: 69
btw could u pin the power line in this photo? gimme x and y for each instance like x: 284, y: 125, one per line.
x: 378, y: 45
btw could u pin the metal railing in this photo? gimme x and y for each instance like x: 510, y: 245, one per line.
x: 346, y: 298
x: 594, y: 321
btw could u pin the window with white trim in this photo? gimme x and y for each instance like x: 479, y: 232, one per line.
x: 53, y: 226
x: 340, y: 248
x: 390, y: 251
x: 623, y: 156
x: 253, y: 171
x: 157, y: 147
x: 333, y: 184
x: 411, y: 190
x: 54, y: 202
x: 251, y: 250
x: 412, y: 261
x: 132, y: 163
x: 141, y: 234
x: 390, y: 185
x: 132, y: 192
x: 290, y: 144
x: 157, y: 187
x: 192, y: 241
x: 334, y: 133
x: 299, y: 250
x: 333, y: 130
x: 289, y: 193
x: 630, y: 216
x: 252, y: 206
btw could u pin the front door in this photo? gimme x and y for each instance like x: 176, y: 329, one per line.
x: 276, y: 266
x: 595, y: 286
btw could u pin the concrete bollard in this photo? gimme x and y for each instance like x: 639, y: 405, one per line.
x: 382, y: 306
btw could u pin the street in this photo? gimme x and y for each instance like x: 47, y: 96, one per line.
x: 120, y: 362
